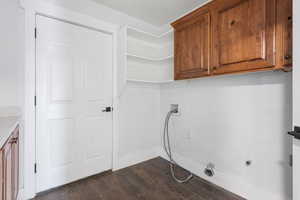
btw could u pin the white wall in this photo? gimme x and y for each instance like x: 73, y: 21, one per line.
x: 227, y: 120
x: 12, y: 53
x: 98, y: 11
x: 139, y: 123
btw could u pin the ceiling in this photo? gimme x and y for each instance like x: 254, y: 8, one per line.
x: 155, y: 12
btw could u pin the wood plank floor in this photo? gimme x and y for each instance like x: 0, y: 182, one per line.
x: 150, y: 180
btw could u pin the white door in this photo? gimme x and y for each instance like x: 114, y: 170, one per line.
x: 74, y: 86
x: 296, y: 100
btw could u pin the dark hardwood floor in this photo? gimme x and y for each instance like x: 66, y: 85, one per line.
x: 150, y: 180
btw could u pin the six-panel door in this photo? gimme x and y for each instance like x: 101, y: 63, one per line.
x: 244, y: 35
x: 192, y: 47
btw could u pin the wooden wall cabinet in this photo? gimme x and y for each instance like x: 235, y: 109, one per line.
x: 244, y: 35
x: 192, y: 53
x: 234, y: 36
x: 285, y: 26
x: 10, y: 167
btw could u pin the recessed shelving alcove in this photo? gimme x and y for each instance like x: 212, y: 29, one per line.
x: 149, y: 58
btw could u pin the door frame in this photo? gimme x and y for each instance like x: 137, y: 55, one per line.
x: 32, y: 9
x: 296, y: 60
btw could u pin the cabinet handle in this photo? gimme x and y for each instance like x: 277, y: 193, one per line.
x: 13, y: 141
x: 287, y: 57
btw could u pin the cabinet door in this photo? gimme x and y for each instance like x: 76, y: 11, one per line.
x: 8, y: 162
x: 15, y: 163
x: 244, y: 35
x: 192, y: 47
x: 286, y: 14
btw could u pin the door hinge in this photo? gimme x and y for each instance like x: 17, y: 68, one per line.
x: 108, y: 109
x: 291, y: 160
x: 35, y: 32
x: 35, y: 103
x: 35, y: 168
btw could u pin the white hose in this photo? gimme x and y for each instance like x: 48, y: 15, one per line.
x: 167, y: 148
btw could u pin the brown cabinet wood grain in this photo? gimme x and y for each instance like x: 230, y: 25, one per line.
x: 234, y: 36
x: 244, y: 36
x: 285, y: 21
x: 10, y: 167
x: 8, y: 171
x: 15, y: 164
x: 192, y: 54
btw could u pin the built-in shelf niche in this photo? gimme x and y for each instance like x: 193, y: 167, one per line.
x: 150, y: 58
x: 167, y: 37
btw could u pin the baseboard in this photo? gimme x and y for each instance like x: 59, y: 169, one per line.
x: 137, y: 157
x: 231, y: 183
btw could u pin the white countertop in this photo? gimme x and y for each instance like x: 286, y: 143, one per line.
x: 7, y: 126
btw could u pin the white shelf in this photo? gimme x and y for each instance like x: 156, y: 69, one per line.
x: 150, y: 59
x: 149, y: 37
x: 149, y: 71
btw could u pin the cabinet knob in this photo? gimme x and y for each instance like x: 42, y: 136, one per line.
x: 290, y: 18
x: 232, y: 22
x: 287, y: 57
x: 13, y: 140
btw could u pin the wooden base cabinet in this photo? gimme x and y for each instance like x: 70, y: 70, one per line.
x: 234, y: 36
x: 10, y: 167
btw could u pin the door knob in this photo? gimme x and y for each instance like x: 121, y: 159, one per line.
x: 107, y: 109
x: 295, y: 133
